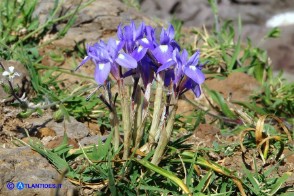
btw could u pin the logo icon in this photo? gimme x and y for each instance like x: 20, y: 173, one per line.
x: 20, y: 185
x: 10, y: 185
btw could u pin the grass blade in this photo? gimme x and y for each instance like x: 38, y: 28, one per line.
x: 221, y: 103
x: 165, y: 173
x: 279, y: 182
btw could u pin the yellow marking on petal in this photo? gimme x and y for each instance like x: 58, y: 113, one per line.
x: 101, y: 66
x: 163, y: 48
x: 140, y: 48
x: 121, y: 56
x: 145, y: 40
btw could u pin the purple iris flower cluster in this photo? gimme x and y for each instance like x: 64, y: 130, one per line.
x: 140, y: 54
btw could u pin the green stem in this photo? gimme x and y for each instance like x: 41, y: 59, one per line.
x: 144, y: 113
x: 157, y: 108
x: 138, y: 115
x: 126, y: 114
x: 115, y: 125
x: 164, y: 137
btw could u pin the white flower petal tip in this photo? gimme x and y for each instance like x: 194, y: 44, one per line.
x: 10, y: 74
x: 5, y: 73
x: 11, y: 69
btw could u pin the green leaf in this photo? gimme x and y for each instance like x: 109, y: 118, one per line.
x: 219, y: 100
x: 203, y: 181
x: 164, y: 173
x: 280, y: 182
x: 111, y: 179
x: 64, y: 112
x: 252, y: 106
x: 57, y: 161
x: 274, y: 33
x: 235, y: 55
x: 153, y: 188
x: 69, y: 24
x: 95, y: 153
x: 57, y: 57
x: 58, y: 115
x: 253, y: 181
x: 178, y: 26
x: 63, y: 145
x: 106, y: 147
x: 26, y: 113
x: 213, y: 5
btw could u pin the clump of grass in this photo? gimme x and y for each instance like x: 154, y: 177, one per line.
x: 21, y: 35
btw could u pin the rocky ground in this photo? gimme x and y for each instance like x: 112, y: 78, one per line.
x: 100, y: 20
x: 254, y: 14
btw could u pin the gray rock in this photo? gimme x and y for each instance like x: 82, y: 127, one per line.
x: 74, y: 129
x: 97, y: 20
x: 282, y: 49
x: 24, y: 165
x: 254, y: 15
x: 92, y: 139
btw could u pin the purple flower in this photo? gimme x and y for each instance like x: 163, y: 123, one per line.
x: 189, y: 84
x: 136, y: 44
x: 164, y: 52
x: 106, y: 58
x: 167, y: 37
x: 185, y: 74
x: 129, y: 35
x: 146, y: 69
x: 193, y: 70
x: 149, y: 41
x: 137, y: 50
x: 194, y: 76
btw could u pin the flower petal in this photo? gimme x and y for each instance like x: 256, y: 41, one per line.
x: 119, y: 32
x: 146, y: 43
x: 139, y: 33
x: 16, y: 74
x: 129, y: 73
x: 126, y: 61
x: 171, y: 31
x: 197, y: 90
x: 174, y: 44
x: 166, y: 65
x: 11, y: 69
x: 194, y: 59
x: 163, y: 53
x: 184, y: 56
x: 168, y: 77
x: 83, y: 62
x: 101, y: 72
x: 5, y: 73
x: 115, y: 71
x: 164, y: 38
x: 195, y: 74
x: 145, y: 68
x: 139, y: 53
